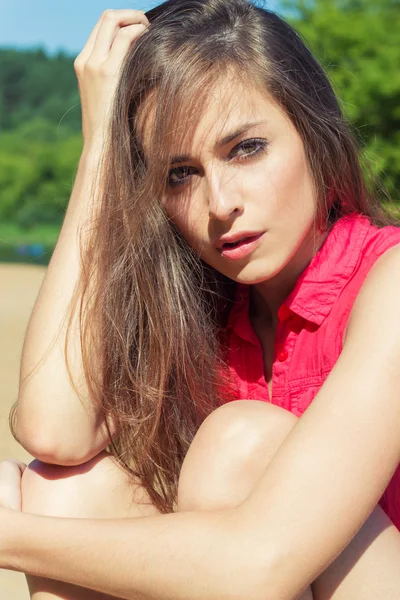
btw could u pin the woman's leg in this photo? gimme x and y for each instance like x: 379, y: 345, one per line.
x: 368, y: 569
x: 234, y: 443
x: 96, y: 489
x: 238, y: 441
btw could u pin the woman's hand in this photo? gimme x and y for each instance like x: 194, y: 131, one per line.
x: 11, y: 471
x: 98, y: 67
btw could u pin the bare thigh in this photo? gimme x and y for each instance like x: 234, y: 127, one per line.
x: 98, y: 489
x: 236, y: 443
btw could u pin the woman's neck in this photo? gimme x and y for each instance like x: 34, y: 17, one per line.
x: 267, y: 296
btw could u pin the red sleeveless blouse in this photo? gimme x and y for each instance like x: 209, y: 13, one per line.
x: 312, y: 322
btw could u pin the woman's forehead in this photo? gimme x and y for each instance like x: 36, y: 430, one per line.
x: 205, y: 118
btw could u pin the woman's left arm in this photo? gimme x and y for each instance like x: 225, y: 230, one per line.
x: 317, y: 492
x: 332, y: 469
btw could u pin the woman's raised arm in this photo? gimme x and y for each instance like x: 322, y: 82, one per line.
x: 52, y: 422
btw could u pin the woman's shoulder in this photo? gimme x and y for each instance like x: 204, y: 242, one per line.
x: 378, y: 295
x: 362, y: 249
x: 363, y: 238
x: 378, y: 285
x: 382, y: 237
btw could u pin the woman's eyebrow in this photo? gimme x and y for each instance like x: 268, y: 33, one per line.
x: 222, y: 142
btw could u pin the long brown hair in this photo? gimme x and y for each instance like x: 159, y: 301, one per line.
x: 151, y: 311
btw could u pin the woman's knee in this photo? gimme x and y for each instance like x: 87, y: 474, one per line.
x: 229, y: 453
x: 99, y: 488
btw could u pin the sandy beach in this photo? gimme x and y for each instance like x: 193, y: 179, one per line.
x: 19, y: 286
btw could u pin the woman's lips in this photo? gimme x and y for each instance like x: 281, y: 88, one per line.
x: 241, y: 248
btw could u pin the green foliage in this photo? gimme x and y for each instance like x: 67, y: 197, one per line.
x: 12, y: 234
x: 40, y: 118
x: 40, y: 142
x: 357, y: 43
x: 33, y: 84
x: 36, y: 173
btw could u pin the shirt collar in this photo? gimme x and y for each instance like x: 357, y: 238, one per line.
x: 319, y: 285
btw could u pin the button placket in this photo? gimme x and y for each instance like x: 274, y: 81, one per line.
x: 285, y: 340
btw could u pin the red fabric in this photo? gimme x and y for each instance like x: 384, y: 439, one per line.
x: 311, y: 326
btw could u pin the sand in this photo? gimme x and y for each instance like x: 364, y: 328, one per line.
x: 19, y: 287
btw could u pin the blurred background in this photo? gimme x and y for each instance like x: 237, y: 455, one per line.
x: 40, y: 138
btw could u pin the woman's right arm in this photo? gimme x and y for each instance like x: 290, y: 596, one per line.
x: 52, y: 422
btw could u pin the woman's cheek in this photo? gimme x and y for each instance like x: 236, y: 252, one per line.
x: 290, y: 170
x: 191, y: 225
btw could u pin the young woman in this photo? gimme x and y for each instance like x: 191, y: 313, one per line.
x: 227, y: 271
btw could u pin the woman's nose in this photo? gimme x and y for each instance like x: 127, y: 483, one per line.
x: 224, y: 197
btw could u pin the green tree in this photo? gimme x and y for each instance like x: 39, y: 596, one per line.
x: 33, y: 84
x: 37, y: 168
x: 357, y: 43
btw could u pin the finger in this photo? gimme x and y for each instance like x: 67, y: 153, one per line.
x: 14, y: 461
x: 109, y: 27
x: 21, y: 466
x: 88, y: 47
x: 124, y: 39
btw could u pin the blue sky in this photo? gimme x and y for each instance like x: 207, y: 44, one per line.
x: 56, y: 24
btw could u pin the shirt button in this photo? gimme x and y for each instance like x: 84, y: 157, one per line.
x: 283, y: 355
x: 284, y: 313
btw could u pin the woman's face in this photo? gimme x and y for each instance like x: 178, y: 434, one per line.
x: 244, y: 173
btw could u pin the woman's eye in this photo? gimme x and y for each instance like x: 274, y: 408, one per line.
x: 178, y: 175
x: 249, y: 148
